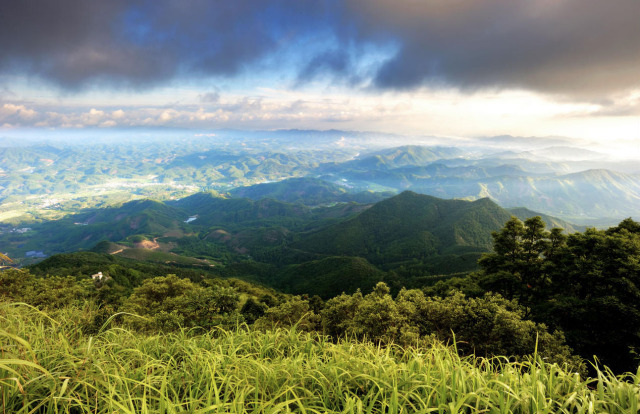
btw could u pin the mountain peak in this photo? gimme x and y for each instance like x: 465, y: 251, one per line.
x: 412, y: 226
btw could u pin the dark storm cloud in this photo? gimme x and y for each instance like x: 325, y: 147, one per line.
x: 334, y: 61
x: 76, y: 43
x: 574, y: 47
x: 72, y: 41
x: 581, y: 48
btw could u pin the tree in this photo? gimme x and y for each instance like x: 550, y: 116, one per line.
x: 16, y: 285
x: 595, y: 294
x: 489, y: 325
x: 49, y: 293
x: 252, y: 310
x: 587, y: 284
x: 168, y: 303
x: 338, y: 314
x: 295, y: 311
x: 516, y: 268
x: 377, y: 317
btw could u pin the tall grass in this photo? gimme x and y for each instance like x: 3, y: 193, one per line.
x: 48, y: 365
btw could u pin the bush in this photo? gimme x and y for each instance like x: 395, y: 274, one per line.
x: 168, y: 303
x: 294, y: 312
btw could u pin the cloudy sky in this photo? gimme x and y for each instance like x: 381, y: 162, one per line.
x: 450, y: 68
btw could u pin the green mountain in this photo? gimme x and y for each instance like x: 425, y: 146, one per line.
x: 581, y: 197
x: 308, y: 191
x: 240, y: 213
x: 81, y: 231
x: 413, y: 155
x: 410, y: 227
x: 524, y: 213
x: 212, y: 210
x: 329, y: 277
x: 199, y: 213
x: 141, y: 216
x: 322, y: 250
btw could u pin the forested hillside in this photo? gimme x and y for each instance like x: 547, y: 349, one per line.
x: 447, y: 235
x: 406, y: 240
x: 344, y: 265
x: 579, y: 287
x: 542, y: 303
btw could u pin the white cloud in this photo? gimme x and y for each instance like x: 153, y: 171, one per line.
x: 108, y: 124
x: 423, y: 112
x: 168, y: 115
x: 19, y: 111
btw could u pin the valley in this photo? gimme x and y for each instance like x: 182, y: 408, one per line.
x: 281, y: 232
x: 47, y: 181
x: 337, y: 207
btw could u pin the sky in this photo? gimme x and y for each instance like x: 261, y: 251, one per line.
x: 459, y: 68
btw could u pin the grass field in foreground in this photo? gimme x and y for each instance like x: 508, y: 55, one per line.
x: 48, y: 365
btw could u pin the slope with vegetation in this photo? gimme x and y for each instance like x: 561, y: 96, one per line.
x: 238, y: 371
x: 586, y: 284
x: 411, y: 227
x: 191, y: 340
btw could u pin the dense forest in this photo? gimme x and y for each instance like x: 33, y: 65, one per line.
x: 541, y: 304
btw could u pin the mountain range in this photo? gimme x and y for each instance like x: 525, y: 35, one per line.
x: 45, y: 181
x: 340, y: 246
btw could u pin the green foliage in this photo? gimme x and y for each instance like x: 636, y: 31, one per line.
x: 374, y: 317
x: 16, y: 284
x: 586, y: 284
x: 252, y: 310
x: 411, y: 227
x: 488, y: 326
x: 124, y: 272
x: 595, y: 295
x: 46, y: 293
x: 329, y: 277
x: 169, y: 303
x: 338, y: 314
x: 294, y: 312
x: 377, y: 318
x: 238, y: 371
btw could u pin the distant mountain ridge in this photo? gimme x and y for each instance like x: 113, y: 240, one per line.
x: 411, y: 226
x: 537, y: 173
x: 583, y: 196
x: 407, y: 155
x: 524, y: 213
x: 308, y: 191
